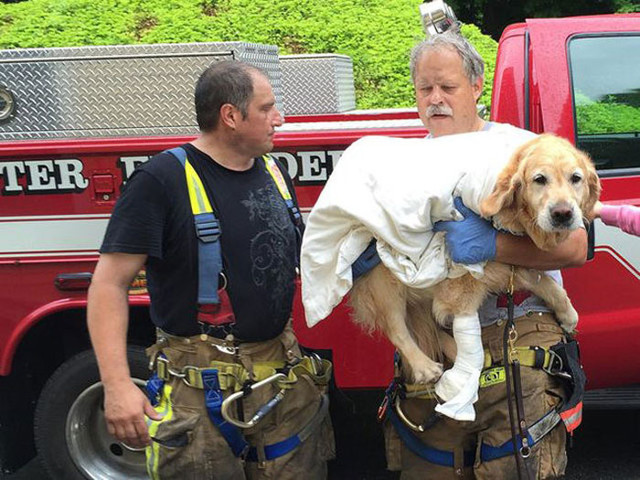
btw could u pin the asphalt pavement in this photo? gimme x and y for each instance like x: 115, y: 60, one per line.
x: 605, y: 447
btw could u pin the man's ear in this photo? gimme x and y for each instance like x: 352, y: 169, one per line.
x: 229, y: 115
x: 477, y: 88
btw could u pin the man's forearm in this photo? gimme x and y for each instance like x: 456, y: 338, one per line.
x: 521, y: 251
x: 107, y: 319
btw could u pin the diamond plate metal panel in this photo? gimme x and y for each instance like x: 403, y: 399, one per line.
x: 318, y: 83
x: 125, y: 90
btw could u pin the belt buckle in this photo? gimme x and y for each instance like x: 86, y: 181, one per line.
x: 553, y: 358
x: 185, y: 374
x: 162, y: 367
x: 557, y: 372
x: 226, y: 349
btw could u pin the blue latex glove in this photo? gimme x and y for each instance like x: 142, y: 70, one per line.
x: 366, y: 261
x: 471, y: 240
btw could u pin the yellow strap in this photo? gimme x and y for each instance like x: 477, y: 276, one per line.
x: 152, y: 451
x: 526, y: 356
x: 197, y: 194
x: 276, y: 174
x: 233, y: 376
x: 418, y: 390
x: 489, y: 376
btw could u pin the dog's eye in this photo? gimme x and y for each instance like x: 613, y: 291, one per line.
x: 576, y: 178
x: 540, y: 179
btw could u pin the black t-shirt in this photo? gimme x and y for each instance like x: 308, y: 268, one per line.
x: 258, y: 240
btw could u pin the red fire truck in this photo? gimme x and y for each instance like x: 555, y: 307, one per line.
x: 64, y: 159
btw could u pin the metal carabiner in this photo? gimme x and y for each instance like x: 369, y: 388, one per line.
x: 405, y: 419
x: 316, y: 364
x: 427, y: 424
x: 262, y: 411
x: 226, y: 349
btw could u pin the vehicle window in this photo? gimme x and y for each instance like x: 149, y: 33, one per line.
x: 605, y: 74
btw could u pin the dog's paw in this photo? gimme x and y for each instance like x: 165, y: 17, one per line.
x: 427, y: 372
x: 568, y: 319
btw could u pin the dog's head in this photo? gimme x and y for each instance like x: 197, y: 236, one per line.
x: 546, y: 190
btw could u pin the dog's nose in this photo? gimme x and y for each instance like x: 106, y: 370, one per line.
x: 561, y: 214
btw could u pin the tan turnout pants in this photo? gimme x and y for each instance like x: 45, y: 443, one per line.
x: 189, y: 446
x: 541, y: 393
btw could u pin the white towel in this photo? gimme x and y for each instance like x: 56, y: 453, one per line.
x: 395, y: 190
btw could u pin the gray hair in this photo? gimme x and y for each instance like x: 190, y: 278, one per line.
x: 228, y: 81
x: 472, y: 62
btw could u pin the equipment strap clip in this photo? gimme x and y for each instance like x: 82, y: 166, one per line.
x: 556, y: 366
x: 262, y: 411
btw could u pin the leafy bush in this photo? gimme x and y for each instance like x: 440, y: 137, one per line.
x: 608, y: 116
x: 377, y: 34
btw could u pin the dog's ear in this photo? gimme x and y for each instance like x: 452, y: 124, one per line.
x: 508, y: 183
x: 592, y: 184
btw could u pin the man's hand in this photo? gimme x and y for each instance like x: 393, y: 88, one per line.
x: 125, y: 406
x: 471, y: 240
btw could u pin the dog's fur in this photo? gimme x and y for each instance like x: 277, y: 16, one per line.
x: 546, y: 191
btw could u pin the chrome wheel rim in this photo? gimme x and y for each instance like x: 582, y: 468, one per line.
x: 96, y: 453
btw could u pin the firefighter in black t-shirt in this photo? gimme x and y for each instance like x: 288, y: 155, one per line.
x: 231, y: 395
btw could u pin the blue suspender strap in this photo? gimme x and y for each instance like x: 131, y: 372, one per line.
x: 213, y: 402
x: 209, y: 258
x: 207, y: 230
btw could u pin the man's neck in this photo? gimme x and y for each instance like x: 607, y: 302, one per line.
x: 223, y: 152
x: 480, y: 125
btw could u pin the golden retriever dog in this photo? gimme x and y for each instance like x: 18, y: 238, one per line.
x: 547, y: 190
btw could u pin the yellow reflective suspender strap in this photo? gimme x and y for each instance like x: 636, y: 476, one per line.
x: 207, y: 232
x: 276, y: 174
x: 294, y: 212
x: 197, y: 195
x: 278, y: 179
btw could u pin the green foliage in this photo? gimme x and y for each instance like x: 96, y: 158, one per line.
x: 488, y: 49
x: 494, y: 15
x: 627, y: 6
x: 608, y: 116
x: 377, y: 34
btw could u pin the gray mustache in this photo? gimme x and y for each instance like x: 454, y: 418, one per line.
x: 438, y: 110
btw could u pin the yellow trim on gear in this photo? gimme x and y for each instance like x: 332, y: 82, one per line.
x: 152, y: 452
x: 197, y: 195
x: 276, y: 174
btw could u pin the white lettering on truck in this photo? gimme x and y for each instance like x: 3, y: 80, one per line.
x: 43, y: 176
x: 129, y: 164
x: 65, y: 175
x: 309, y: 167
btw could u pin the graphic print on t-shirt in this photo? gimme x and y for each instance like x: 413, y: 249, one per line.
x: 270, y: 248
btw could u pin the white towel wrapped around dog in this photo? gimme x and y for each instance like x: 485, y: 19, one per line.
x: 395, y: 189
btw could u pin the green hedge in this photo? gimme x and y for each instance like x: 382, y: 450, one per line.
x: 377, y: 34
x: 604, y: 117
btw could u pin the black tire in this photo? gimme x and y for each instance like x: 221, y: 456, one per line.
x: 70, y: 431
